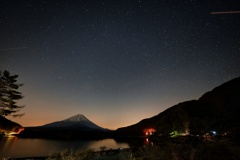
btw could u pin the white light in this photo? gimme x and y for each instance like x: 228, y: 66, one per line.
x: 214, y: 132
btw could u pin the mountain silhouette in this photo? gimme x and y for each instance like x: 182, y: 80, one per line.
x: 76, y: 122
x: 215, y: 110
x: 75, y: 127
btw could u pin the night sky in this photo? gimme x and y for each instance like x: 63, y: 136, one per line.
x: 116, y: 61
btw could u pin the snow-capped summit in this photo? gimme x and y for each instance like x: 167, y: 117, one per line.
x: 76, y: 122
x: 76, y: 118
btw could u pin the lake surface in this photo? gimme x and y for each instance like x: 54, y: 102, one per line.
x: 21, y: 147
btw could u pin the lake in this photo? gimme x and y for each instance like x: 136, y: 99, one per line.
x: 22, y: 147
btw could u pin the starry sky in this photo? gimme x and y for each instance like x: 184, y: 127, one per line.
x: 116, y: 61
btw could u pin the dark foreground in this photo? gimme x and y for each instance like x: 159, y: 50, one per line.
x: 203, y: 151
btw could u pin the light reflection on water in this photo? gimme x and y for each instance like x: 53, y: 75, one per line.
x: 20, y: 147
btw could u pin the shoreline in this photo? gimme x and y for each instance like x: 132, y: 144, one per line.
x: 108, y: 153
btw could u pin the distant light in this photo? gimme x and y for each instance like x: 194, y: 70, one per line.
x: 214, y: 132
x: 149, y: 131
x: 11, y: 134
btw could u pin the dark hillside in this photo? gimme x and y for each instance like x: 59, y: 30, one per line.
x: 215, y: 110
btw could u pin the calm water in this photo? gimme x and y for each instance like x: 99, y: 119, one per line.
x: 19, y: 147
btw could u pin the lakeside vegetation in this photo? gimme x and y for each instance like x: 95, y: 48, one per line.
x: 204, y: 151
x: 156, y: 148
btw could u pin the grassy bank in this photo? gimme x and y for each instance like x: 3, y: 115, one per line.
x: 207, y: 151
x: 203, y: 151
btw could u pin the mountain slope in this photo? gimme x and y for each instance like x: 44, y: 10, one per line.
x: 74, y: 123
x: 215, y: 110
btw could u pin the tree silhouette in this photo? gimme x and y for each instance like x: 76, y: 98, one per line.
x: 9, y: 94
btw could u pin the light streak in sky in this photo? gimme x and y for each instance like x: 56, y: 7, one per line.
x: 226, y: 12
x: 9, y: 49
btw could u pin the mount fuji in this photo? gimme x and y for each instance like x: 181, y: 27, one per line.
x: 77, y: 122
